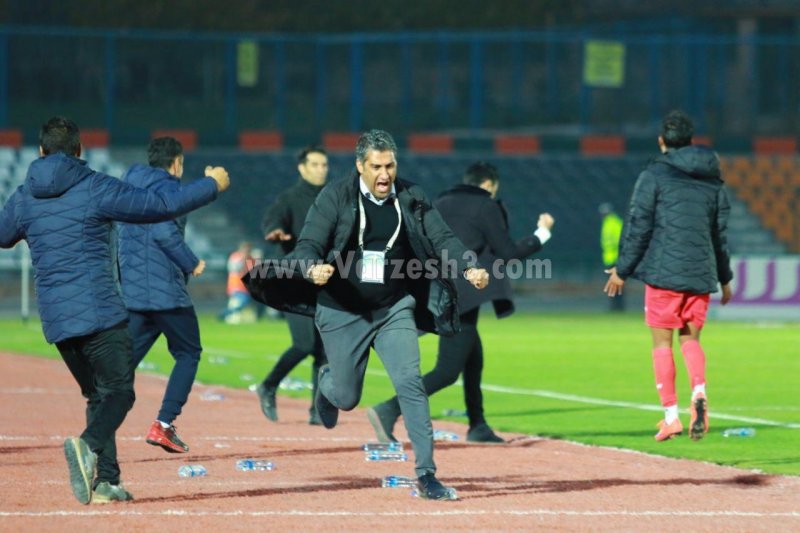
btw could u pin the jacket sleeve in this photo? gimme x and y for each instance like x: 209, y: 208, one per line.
x: 278, y: 216
x: 719, y: 238
x: 117, y: 200
x: 316, y: 239
x: 495, y: 232
x: 171, y: 242
x: 10, y: 232
x: 638, y: 226
x: 444, y: 241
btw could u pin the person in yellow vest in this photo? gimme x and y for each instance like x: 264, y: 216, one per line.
x: 610, y: 233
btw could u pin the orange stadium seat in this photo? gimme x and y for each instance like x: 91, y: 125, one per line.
x: 775, y: 145
x: 517, y: 144
x: 336, y: 141
x: 260, y: 140
x: 430, y: 143
x: 603, y: 145
x: 95, y: 138
x: 12, y: 138
x: 188, y: 138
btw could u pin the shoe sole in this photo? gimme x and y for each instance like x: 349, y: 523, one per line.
x: 448, y: 495
x: 79, y: 478
x: 698, y: 428
x: 328, y: 414
x: 380, y: 432
x: 166, y: 447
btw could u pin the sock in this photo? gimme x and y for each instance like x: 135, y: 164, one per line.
x: 698, y: 389
x: 670, y: 414
x: 164, y: 424
x: 695, y: 360
x: 664, y: 367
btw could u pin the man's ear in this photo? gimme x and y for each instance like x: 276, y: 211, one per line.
x: 360, y: 166
x: 80, y: 151
x: 41, y: 151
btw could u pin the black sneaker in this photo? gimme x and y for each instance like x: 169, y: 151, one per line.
x: 382, y: 422
x: 483, y: 433
x: 266, y: 395
x: 328, y: 413
x: 431, y: 489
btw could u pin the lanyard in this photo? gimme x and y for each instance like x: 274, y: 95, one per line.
x: 362, y: 224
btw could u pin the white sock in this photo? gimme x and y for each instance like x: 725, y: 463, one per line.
x: 670, y: 414
x: 164, y: 424
x: 698, y: 389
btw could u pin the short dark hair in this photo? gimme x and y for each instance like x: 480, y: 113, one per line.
x: 378, y: 140
x: 479, y: 172
x: 302, y: 155
x: 60, y: 134
x: 163, y: 151
x: 677, y: 129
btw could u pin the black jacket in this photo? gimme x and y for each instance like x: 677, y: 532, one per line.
x: 330, y: 223
x: 289, y: 211
x: 674, y: 235
x: 481, y: 223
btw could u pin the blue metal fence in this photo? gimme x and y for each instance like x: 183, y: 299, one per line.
x: 131, y: 82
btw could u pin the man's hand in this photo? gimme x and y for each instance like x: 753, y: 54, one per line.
x: 278, y: 235
x: 201, y: 266
x: 220, y: 175
x: 726, y: 294
x: 478, y: 277
x: 320, y: 274
x: 614, y: 283
x: 546, y: 221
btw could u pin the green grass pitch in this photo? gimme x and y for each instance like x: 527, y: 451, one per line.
x: 581, y: 377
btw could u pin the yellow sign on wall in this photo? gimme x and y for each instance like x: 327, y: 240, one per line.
x: 604, y: 64
x: 247, y: 63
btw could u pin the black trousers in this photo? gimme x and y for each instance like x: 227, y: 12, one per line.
x: 460, y: 354
x: 305, y: 341
x: 180, y: 328
x: 101, y: 364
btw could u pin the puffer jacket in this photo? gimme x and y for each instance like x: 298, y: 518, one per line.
x: 154, y: 261
x: 64, y: 209
x: 675, y: 232
x: 331, y: 222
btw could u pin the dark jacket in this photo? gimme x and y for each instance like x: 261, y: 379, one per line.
x: 481, y: 223
x: 675, y: 230
x: 154, y: 260
x: 289, y: 211
x: 328, y: 228
x: 64, y: 210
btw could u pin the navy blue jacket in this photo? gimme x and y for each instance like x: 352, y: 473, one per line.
x: 675, y: 233
x: 154, y: 261
x: 65, y: 211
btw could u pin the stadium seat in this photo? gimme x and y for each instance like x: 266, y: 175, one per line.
x: 260, y: 140
x: 430, y: 143
x: 188, y: 138
x: 11, y: 138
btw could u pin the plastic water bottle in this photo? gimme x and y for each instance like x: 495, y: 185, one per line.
x: 290, y: 383
x: 147, y: 365
x: 453, y: 412
x: 192, y: 471
x: 739, y: 432
x: 383, y: 447
x: 249, y: 465
x: 379, y: 455
x: 440, y: 434
x: 218, y: 360
x: 398, y: 481
x: 210, y: 396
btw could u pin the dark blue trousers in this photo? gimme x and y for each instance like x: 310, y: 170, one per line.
x: 180, y: 328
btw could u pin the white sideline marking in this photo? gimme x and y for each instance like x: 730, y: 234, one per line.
x: 465, y: 512
x: 627, y: 405
x: 211, y: 438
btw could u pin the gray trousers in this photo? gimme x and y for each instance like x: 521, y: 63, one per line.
x: 393, y: 333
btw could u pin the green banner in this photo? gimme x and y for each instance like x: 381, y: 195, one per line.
x: 604, y: 64
x: 247, y: 63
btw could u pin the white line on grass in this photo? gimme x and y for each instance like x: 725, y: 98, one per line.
x: 465, y: 512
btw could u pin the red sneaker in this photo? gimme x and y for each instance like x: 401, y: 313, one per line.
x: 698, y: 424
x: 167, y: 438
x: 667, y: 431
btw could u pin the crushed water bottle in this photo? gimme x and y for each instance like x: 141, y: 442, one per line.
x: 290, y: 383
x: 211, y: 396
x: 218, y: 360
x: 440, y: 434
x: 739, y: 432
x: 398, y: 481
x: 379, y: 455
x: 383, y: 447
x: 192, y: 471
x: 249, y: 465
x: 147, y: 365
x: 453, y: 412
x: 246, y: 377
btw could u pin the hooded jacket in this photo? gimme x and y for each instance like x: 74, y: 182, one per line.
x: 154, y: 261
x: 64, y: 209
x: 675, y: 231
x: 331, y: 222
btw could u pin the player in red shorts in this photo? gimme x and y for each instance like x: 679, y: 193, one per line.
x: 674, y: 240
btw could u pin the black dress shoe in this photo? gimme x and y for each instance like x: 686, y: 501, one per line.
x: 483, y: 433
x: 382, y: 423
x: 266, y: 395
x: 431, y: 489
x: 328, y: 413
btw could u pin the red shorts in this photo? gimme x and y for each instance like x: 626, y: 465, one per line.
x: 668, y: 309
